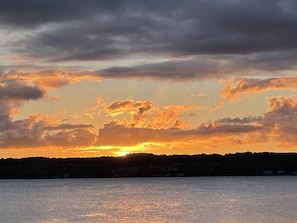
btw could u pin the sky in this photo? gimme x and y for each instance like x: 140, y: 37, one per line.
x: 111, y: 77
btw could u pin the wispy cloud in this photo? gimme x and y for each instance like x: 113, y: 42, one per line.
x: 49, y: 79
x: 244, y: 87
x: 200, y: 95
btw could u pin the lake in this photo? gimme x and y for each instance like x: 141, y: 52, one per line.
x: 136, y: 200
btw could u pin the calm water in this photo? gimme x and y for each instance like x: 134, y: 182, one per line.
x: 206, y: 199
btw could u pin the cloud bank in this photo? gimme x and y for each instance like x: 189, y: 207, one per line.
x: 216, y: 38
x: 135, y: 123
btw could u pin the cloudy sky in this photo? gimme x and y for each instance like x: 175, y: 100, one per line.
x: 110, y: 77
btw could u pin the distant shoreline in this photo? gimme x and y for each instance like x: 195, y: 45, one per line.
x: 149, y: 165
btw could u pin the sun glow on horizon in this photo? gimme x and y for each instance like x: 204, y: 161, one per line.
x: 126, y: 150
x: 123, y: 153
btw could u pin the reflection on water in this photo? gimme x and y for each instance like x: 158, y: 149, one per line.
x: 138, y: 200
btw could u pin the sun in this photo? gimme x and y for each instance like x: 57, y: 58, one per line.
x: 123, y: 153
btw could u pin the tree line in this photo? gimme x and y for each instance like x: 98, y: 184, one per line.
x: 150, y: 165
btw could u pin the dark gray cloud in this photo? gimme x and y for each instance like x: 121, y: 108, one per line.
x: 98, y: 30
x: 5, y: 119
x: 33, y: 12
x: 244, y: 120
x: 281, y: 120
x: 14, y: 90
x: 12, y: 93
x: 175, y: 70
x: 205, y: 67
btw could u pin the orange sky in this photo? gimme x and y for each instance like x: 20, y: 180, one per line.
x: 173, y: 77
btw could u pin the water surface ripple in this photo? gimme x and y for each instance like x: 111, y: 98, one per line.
x: 139, y: 200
